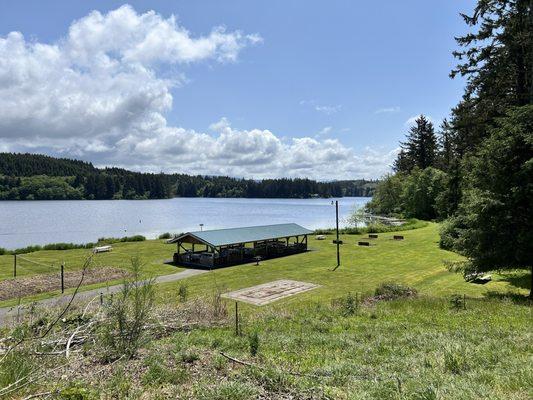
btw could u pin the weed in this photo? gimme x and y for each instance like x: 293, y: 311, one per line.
x: 253, y: 343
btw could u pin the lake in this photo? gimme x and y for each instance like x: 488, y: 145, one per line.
x: 24, y: 223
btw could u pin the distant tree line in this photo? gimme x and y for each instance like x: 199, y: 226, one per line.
x: 40, y: 177
x: 476, y: 171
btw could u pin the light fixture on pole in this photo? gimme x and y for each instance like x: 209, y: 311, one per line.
x: 201, y: 227
x: 337, y: 231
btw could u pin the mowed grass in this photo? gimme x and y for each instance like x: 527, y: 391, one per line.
x: 153, y: 254
x: 415, y: 261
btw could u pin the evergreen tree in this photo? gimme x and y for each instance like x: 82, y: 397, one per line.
x: 494, y: 227
x: 420, y: 148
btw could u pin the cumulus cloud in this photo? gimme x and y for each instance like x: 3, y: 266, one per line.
x: 98, y: 94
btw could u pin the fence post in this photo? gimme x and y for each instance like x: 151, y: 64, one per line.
x: 14, y: 265
x: 62, y: 278
x: 464, y: 301
x: 236, y: 319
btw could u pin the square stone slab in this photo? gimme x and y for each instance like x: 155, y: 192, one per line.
x: 269, y: 292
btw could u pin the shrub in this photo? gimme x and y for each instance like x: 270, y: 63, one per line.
x: 391, y: 291
x: 165, y: 235
x: 349, y: 304
x: 183, y: 290
x: 188, y: 356
x: 127, y: 313
x: 253, y: 342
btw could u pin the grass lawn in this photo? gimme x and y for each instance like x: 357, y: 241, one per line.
x: 416, y: 261
x: 152, y: 252
x: 315, y: 345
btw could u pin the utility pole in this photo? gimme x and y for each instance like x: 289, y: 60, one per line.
x: 14, y: 265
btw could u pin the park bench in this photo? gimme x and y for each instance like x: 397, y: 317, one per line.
x: 398, y: 237
x: 335, y: 241
x: 372, y: 236
x: 102, y: 249
x: 363, y: 243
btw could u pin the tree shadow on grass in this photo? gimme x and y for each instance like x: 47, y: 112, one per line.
x: 514, y: 297
x: 519, y: 278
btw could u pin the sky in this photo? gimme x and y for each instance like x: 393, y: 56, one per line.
x: 292, y: 88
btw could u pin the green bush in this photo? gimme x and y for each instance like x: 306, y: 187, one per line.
x: 183, y: 291
x: 410, y: 224
x: 392, y: 291
x: 253, y: 342
x: 126, y: 314
x: 165, y: 235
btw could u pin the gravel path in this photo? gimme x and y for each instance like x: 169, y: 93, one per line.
x: 7, y: 312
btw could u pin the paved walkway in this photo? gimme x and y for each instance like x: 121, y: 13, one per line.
x: 7, y: 312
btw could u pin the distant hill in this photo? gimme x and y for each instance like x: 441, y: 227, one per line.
x: 42, y: 177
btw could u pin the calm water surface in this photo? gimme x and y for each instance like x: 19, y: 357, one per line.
x: 23, y: 223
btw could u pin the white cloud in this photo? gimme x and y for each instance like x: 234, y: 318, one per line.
x: 387, y: 110
x: 322, y: 108
x: 328, y: 109
x: 324, y: 131
x: 98, y: 94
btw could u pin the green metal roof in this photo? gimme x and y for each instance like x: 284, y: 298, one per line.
x: 223, y: 237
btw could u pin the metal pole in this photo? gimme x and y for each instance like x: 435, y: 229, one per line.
x: 337, y: 222
x: 62, y: 278
x: 14, y: 265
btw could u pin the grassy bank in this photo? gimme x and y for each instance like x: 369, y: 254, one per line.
x: 317, y: 344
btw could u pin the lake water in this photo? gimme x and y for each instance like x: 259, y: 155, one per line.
x: 24, y: 223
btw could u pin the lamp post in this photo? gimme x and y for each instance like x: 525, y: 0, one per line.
x: 337, y: 225
x: 201, y: 227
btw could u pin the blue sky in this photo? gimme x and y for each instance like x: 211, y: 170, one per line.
x: 290, y: 88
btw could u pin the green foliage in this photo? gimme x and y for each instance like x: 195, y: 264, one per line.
x: 387, y: 199
x: 71, y: 246
x: 420, y: 148
x: 420, y: 194
x: 393, y: 291
x: 126, y: 314
x: 135, y: 238
x: 158, y: 373
x: 17, y: 365
x: 33, y: 176
x: 493, y: 226
x: 253, y: 343
x: 183, y: 292
x: 165, y: 235
x: 349, y: 304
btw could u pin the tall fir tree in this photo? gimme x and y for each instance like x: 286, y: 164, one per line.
x: 420, y: 148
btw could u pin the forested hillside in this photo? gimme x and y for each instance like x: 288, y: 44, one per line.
x: 476, y: 170
x: 40, y: 177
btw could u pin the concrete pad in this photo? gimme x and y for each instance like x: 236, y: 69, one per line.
x: 269, y: 292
